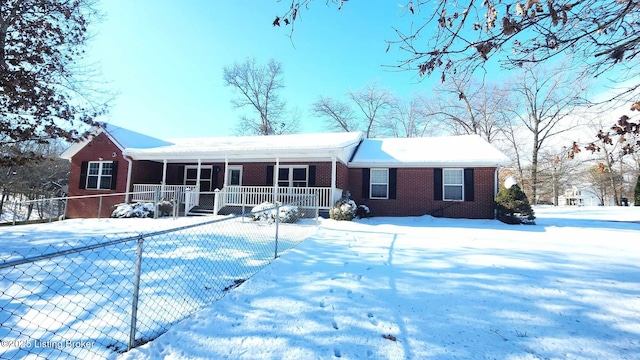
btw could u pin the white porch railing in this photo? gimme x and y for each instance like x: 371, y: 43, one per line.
x: 145, y: 192
x: 235, y: 195
x: 254, y: 195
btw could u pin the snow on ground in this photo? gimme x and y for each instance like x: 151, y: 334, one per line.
x: 427, y: 288
x: 37, y: 239
x: 409, y: 288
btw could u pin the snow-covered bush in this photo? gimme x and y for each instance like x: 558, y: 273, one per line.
x: 165, y: 208
x: 141, y: 210
x: 344, y: 209
x: 513, y: 206
x: 362, y: 211
x: 135, y: 210
x: 267, y: 212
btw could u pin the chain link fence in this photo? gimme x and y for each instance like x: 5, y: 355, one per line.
x: 106, y: 295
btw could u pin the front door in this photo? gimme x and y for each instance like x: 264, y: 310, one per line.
x: 191, y: 176
x: 234, y: 183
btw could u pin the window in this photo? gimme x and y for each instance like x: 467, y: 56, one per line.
x: 379, y: 184
x: 99, y: 175
x: 453, y: 184
x: 292, y: 176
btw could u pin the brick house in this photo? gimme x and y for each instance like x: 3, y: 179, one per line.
x: 453, y: 176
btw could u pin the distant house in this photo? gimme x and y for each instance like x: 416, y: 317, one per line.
x: 452, y: 176
x: 579, y: 196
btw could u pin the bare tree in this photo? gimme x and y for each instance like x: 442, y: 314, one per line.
x: 34, y: 180
x: 339, y: 115
x: 408, y: 118
x: 545, y: 102
x: 516, y: 142
x: 454, y: 36
x: 372, y: 101
x: 609, y: 160
x: 258, y: 87
x: 467, y: 106
x: 42, y: 76
x: 556, y: 173
x: 599, y: 181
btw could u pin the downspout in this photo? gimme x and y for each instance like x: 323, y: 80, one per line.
x: 495, y: 191
x: 333, y: 180
x: 128, y: 192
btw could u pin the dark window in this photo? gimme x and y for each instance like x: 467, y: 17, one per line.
x: 293, y: 176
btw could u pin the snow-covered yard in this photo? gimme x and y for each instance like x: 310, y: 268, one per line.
x: 426, y: 288
x: 416, y: 288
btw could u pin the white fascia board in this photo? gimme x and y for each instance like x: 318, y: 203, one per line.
x: 307, y: 156
x: 422, y: 165
x: 76, y: 147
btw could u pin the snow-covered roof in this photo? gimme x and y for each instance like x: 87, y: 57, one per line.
x: 256, y: 148
x: 463, y: 150
x: 123, y: 138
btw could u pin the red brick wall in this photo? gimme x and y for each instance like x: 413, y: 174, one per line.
x: 146, y: 172
x: 342, y: 181
x: 415, y: 196
x: 414, y: 185
x: 99, y: 147
x: 255, y: 174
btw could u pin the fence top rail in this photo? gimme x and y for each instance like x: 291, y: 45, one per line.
x: 83, y: 196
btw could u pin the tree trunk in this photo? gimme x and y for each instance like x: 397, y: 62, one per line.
x: 534, y: 170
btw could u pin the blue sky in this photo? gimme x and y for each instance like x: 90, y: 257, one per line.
x: 165, y: 58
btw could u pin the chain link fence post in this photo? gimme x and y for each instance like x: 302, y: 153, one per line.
x: 216, y: 201
x: 317, y: 208
x: 156, y: 201
x: 136, y: 292
x: 51, y: 209
x: 277, y: 226
x: 15, y: 210
x: 100, y: 207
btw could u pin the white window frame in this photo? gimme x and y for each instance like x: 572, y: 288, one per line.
x: 371, y: 184
x: 231, y: 168
x: 99, y: 175
x: 445, y: 184
x: 290, y: 180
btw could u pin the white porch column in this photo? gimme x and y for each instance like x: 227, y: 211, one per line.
x: 333, y: 179
x: 226, y: 172
x: 276, y: 179
x: 164, y: 177
x: 198, y: 176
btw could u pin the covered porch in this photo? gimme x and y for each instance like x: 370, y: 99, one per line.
x: 192, y: 201
x: 243, y: 171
